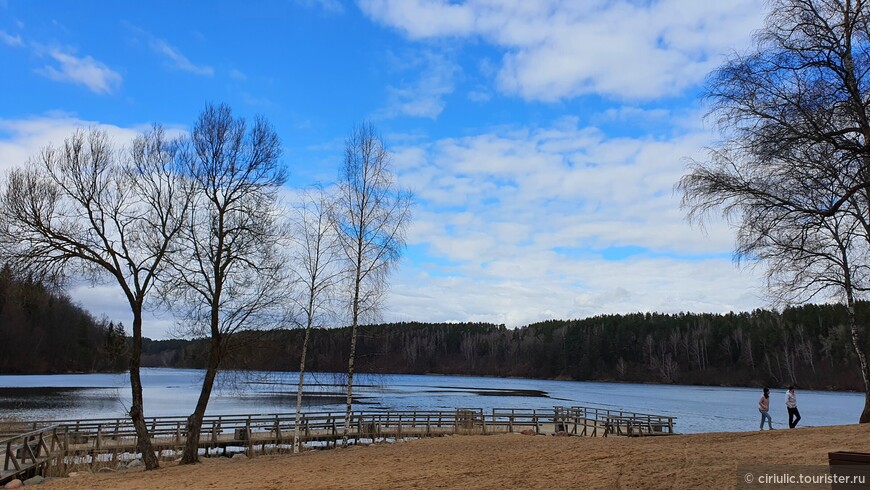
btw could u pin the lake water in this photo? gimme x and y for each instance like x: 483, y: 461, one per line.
x: 174, y: 392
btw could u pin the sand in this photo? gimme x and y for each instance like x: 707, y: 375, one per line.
x: 505, y: 461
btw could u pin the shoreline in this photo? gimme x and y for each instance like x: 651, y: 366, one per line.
x: 619, y: 381
x: 707, y: 460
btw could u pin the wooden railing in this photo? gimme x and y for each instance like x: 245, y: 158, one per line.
x: 585, y: 421
x: 621, y: 422
x: 112, y: 441
x: 32, y: 453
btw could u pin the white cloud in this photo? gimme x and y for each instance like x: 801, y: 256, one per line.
x: 108, y: 300
x: 564, y: 289
x: 87, y: 71
x: 21, y: 139
x: 238, y: 75
x: 11, y: 40
x: 423, y: 97
x: 178, y: 59
x: 561, y: 49
x: 514, y: 225
x: 421, y: 19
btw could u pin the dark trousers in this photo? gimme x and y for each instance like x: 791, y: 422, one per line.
x: 793, y: 417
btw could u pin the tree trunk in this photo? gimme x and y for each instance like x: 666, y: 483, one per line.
x: 857, y: 342
x: 353, y: 329
x: 865, y: 414
x: 137, y: 412
x: 299, y: 388
x: 194, y: 421
x: 349, y: 383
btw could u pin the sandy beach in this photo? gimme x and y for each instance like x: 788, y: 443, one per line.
x: 504, y: 461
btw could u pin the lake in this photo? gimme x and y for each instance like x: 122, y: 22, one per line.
x: 174, y: 392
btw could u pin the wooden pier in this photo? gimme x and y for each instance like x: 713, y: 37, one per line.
x: 57, y: 447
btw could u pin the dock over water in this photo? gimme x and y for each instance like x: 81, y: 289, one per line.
x: 57, y: 447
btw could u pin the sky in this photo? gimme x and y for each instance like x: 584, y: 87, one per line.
x: 542, y: 139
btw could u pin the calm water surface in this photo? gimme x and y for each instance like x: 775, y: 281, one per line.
x: 174, y: 392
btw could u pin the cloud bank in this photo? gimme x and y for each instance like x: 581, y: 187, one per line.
x: 561, y: 49
x: 520, y: 225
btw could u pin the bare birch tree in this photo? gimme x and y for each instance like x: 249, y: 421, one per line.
x: 372, y: 213
x: 317, y: 272
x: 87, y: 209
x: 227, y: 273
x: 794, y: 169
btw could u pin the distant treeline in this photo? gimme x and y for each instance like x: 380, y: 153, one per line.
x: 43, y: 331
x: 809, y: 346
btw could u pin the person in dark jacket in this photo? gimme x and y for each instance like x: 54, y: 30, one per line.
x: 794, y: 416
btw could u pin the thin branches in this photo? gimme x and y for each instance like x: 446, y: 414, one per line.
x: 372, y: 214
x: 793, y: 173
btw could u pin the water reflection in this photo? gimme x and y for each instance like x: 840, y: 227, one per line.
x: 27, y: 402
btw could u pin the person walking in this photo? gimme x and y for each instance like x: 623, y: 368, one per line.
x: 764, y: 408
x: 794, y: 416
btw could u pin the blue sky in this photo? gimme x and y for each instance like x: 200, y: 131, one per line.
x: 541, y: 138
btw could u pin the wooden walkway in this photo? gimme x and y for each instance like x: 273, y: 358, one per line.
x: 56, y: 447
x: 32, y: 453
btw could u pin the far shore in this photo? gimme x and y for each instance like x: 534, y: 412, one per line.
x: 628, y: 382
x: 505, y: 461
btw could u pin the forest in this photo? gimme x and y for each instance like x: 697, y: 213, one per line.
x: 43, y: 331
x: 809, y: 346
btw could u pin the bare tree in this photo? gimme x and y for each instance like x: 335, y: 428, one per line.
x: 317, y: 270
x: 621, y: 368
x: 372, y: 214
x: 227, y: 273
x: 794, y: 169
x: 111, y: 216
